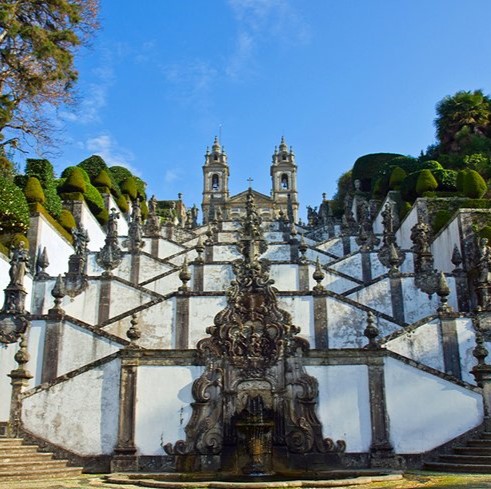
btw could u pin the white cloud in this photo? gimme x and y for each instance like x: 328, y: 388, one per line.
x: 172, y: 175
x: 111, y: 152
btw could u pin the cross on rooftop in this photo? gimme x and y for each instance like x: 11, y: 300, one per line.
x: 250, y: 180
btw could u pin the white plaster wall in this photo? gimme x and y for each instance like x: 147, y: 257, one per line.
x: 345, y: 325
x: 277, y: 253
x: 226, y: 252
x: 122, y: 222
x: 403, y: 234
x: 377, y: 267
x: 122, y: 271
x: 58, y: 248
x: 344, y: 404
x: 426, y: 411
x: 163, y: 406
x: 350, y: 266
x: 178, y: 260
x: 97, y: 234
x: 302, y: 311
x: 332, y: 282
x: 377, y: 296
x: 424, y: 345
x: 79, y: 414
x: 125, y: 297
x: 443, y: 245
x: 156, y: 324
x: 166, y: 248
x: 273, y: 236
x: 79, y: 347
x: 285, y: 276
x: 7, y: 364
x: 313, y: 254
x: 418, y: 305
x: 35, y: 346
x: 334, y: 246
x: 165, y: 285
x: 202, y: 311
x: 84, y: 306
x: 149, y: 268
x: 467, y: 343
x: 216, y: 277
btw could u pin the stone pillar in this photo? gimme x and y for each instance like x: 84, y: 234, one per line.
x: 462, y: 288
x: 104, y: 299
x: 208, y: 253
x: 320, y: 320
x: 346, y: 245
x: 366, y: 266
x: 135, y: 268
x: 125, y: 459
x: 303, y: 277
x: 19, y: 380
x: 482, y: 373
x: 294, y: 250
x: 397, y: 298
x: 182, y: 320
x: 450, y: 344
x: 51, y: 350
x: 381, y: 450
x: 154, y: 246
x: 198, y: 277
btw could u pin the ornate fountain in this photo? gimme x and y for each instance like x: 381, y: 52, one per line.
x: 254, y: 405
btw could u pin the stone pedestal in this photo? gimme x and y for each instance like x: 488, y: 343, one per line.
x: 482, y: 374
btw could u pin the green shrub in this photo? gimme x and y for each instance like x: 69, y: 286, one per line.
x: 122, y: 203
x: 129, y: 188
x: 72, y: 196
x: 75, y: 182
x: 34, y: 191
x: 43, y: 170
x: 404, y: 209
x: 103, y: 217
x: 460, y: 180
x: 396, y: 178
x: 440, y: 219
x: 119, y: 173
x: 67, y: 220
x: 141, y: 188
x: 14, y: 210
x: 474, y: 185
x: 367, y: 168
x: 103, y: 182
x: 447, y: 179
x: 69, y: 169
x: 485, y: 232
x: 93, y: 165
x: 94, y: 200
x: 144, y: 209
x: 426, y: 182
x: 18, y: 238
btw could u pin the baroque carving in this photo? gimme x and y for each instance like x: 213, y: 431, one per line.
x: 390, y: 254
x: 254, y: 341
x: 426, y: 278
x: 110, y: 255
x: 76, y: 278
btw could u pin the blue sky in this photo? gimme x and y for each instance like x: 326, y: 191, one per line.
x: 338, y: 78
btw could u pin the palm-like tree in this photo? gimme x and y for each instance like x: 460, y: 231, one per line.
x: 460, y: 116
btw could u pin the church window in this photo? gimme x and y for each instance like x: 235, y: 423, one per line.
x: 215, y: 182
x: 284, y: 182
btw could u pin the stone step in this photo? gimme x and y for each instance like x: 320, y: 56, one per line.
x: 449, y: 467
x: 31, y: 464
x: 479, y: 443
x: 21, y: 449
x: 16, y: 457
x: 10, y: 442
x: 55, y: 473
x: 486, y: 435
x: 472, y: 451
x: 466, y: 459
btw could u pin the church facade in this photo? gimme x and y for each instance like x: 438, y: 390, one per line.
x: 249, y: 344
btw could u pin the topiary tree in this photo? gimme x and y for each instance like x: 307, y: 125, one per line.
x: 485, y: 232
x: 367, y: 168
x: 33, y: 191
x: 42, y: 169
x: 440, y: 219
x: 129, y: 187
x: 447, y: 180
x: 67, y: 220
x: 426, y: 182
x: 75, y: 182
x: 95, y: 203
x: 474, y: 185
x: 396, y: 178
x: 14, y: 211
x: 119, y: 173
x: 103, y: 182
x: 122, y: 203
x: 69, y: 169
x: 93, y: 165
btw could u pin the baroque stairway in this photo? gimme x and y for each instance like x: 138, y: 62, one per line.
x: 25, y: 462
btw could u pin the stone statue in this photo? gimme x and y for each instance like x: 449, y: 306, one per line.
x: 152, y: 206
x: 80, y: 240
x: 19, y: 264
x: 484, y: 261
x: 112, y: 224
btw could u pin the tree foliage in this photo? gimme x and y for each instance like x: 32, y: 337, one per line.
x: 38, y: 42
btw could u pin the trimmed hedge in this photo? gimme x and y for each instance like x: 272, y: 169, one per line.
x: 474, y: 185
x: 367, y: 167
x: 103, y: 180
x: 426, y: 182
x: 43, y: 170
x: 485, y: 232
x: 440, y: 219
x: 34, y: 191
x: 39, y: 209
x: 93, y: 165
x: 129, y: 188
x: 447, y: 179
x: 69, y: 169
x: 14, y: 210
x: 396, y: 177
x: 122, y: 203
x: 75, y: 182
x: 119, y: 173
x: 67, y: 220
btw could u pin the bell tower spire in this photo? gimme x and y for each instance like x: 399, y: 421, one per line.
x: 284, y: 180
x: 215, y: 181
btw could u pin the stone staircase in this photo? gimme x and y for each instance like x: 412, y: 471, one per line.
x: 20, y: 462
x: 474, y: 457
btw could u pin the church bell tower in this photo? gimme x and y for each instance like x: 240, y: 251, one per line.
x: 215, y: 182
x: 284, y: 181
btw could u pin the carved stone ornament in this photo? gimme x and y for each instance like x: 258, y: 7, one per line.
x: 135, y: 242
x: 110, y: 255
x: 152, y: 224
x: 42, y: 263
x: 15, y: 293
x: 389, y: 254
x: 11, y: 327
x: 483, y: 280
x: 253, y: 365
x: 76, y: 281
x: 366, y: 238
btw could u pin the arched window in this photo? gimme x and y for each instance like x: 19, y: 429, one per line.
x: 215, y: 182
x: 284, y: 182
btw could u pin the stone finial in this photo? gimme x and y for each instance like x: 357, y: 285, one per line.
x: 318, y: 276
x: 58, y: 292
x: 42, y: 263
x: 456, y: 259
x: 302, y: 248
x: 134, y: 332
x: 371, y: 331
x: 293, y: 231
x: 480, y: 352
x: 22, y: 356
x: 443, y: 291
x: 200, y: 248
x: 135, y: 242
x: 184, y: 275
